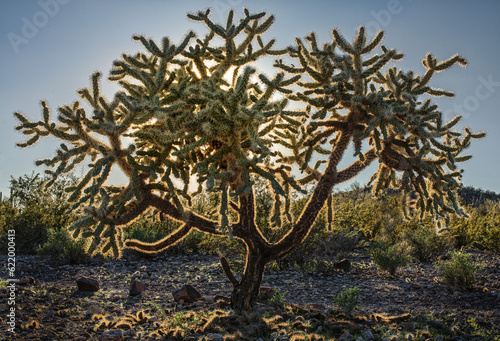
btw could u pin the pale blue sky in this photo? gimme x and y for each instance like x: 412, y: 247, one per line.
x: 49, y: 48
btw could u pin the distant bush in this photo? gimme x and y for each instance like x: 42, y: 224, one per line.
x: 425, y: 243
x: 459, y: 272
x: 150, y: 229
x: 475, y: 197
x: 357, y: 210
x: 358, y: 221
x: 390, y: 257
x: 61, y: 245
x: 147, y: 229
x: 32, y: 211
x: 481, y: 230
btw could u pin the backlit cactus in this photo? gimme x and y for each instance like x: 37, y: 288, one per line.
x: 200, y: 111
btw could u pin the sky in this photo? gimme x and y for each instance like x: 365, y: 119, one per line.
x: 49, y: 49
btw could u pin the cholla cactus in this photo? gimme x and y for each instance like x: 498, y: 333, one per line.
x: 201, y: 110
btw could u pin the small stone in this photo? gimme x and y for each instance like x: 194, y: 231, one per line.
x: 259, y: 311
x: 346, y: 336
x: 87, y: 284
x: 22, y: 267
x: 343, y: 264
x: 360, y: 338
x: 437, y: 324
x: 215, y: 337
x: 26, y: 280
x: 136, y: 288
x: 130, y: 332
x: 112, y: 335
x: 368, y: 335
x: 94, y: 309
x: 187, y: 293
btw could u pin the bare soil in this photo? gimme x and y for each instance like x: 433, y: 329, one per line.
x: 411, y: 305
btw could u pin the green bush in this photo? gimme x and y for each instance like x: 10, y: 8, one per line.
x: 390, y: 258
x: 278, y: 299
x: 150, y: 229
x: 357, y: 210
x: 61, y: 245
x: 459, y: 272
x: 359, y: 219
x: 32, y: 211
x: 347, y: 300
x: 481, y: 230
x: 425, y: 243
x: 147, y: 229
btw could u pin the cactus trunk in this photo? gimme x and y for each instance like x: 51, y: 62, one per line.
x: 246, y: 291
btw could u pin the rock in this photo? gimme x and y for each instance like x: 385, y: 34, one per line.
x: 112, y: 335
x: 343, y: 264
x: 215, y: 337
x: 346, y: 336
x: 87, y: 284
x: 437, y: 324
x: 136, y: 288
x: 187, y: 293
x: 360, y: 338
x: 368, y: 335
x: 22, y: 267
x: 130, y: 333
x: 26, y: 280
x: 94, y: 309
